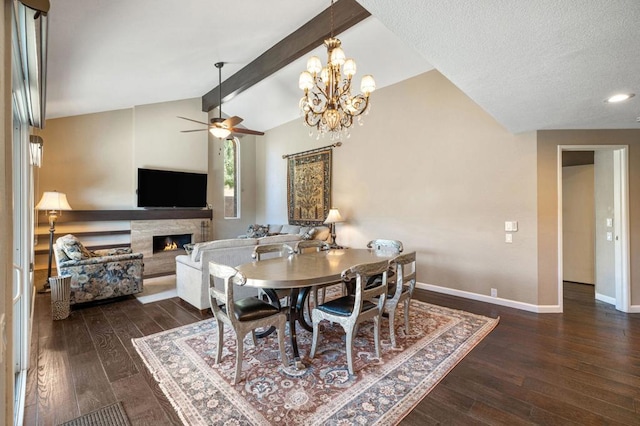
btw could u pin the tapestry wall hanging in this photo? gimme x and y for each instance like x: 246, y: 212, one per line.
x: 309, y: 187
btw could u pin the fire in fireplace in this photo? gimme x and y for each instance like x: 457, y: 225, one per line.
x: 170, y: 242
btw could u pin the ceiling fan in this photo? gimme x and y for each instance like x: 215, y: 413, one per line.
x: 221, y: 127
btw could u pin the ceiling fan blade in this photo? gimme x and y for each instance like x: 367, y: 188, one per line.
x: 195, y: 121
x: 196, y: 130
x: 246, y: 131
x: 232, y: 121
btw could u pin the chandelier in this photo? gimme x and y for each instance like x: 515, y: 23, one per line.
x: 328, y: 104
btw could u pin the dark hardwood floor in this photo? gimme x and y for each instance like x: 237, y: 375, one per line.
x: 581, y: 367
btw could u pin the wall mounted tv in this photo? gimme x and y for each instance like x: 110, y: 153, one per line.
x: 163, y: 188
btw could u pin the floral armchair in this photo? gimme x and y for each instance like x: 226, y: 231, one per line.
x: 97, y: 275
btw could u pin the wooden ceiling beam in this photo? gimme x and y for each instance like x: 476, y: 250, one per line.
x: 346, y: 14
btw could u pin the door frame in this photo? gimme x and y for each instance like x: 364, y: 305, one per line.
x: 621, y: 221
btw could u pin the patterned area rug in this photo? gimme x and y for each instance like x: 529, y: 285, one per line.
x: 382, y: 391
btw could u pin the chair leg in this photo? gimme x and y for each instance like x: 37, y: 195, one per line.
x: 407, y: 303
x: 392, y: 326
x: 253, y: 338
x: 220, y: 341
x: 349, y: 341
x: 283, y: 353
x: 314, y: 341
x: 239, y: 353
x: 376, y: 334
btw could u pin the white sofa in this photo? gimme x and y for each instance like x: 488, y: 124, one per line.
x: 192, y: 270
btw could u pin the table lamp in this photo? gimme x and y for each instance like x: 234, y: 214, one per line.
x: 53, y: 203
x: 332, y: 218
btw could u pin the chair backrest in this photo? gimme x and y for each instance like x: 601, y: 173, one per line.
x: 405, y: 267
x: 231, y: 276
x: 280, y: 250
x: 363, y: 272
x: 393, y: 246
x: 306, y: 245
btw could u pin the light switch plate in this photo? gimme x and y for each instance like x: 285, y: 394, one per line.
x: 609, y: 222
x: 609, y: 236
x: 511, y: 226
x: 508, y: 238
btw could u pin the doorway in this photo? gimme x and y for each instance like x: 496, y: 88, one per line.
x: 593, y: 233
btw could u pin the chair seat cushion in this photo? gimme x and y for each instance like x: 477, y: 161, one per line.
x: 252, y: 308
x: 343, y: 306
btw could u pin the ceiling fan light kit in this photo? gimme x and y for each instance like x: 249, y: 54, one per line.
x: 221, y: 128
x: 327, y: 104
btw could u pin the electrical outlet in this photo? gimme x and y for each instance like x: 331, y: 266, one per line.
x: 494, y: 292
x: 508, y: 238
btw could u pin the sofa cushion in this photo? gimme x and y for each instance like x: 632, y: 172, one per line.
x: 322, y: 233
x: 282, y: 238
x: 217, y: 244
x: 290, y: 229
x: 275, y: 229
x: 73, y: 248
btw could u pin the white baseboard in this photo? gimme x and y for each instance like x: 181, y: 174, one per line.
x: 540, y: 309
x: 606, y: 299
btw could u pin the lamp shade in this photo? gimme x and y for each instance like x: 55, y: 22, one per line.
x: 334, y: 216
x: 53, y: 200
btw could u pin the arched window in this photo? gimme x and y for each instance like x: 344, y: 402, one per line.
x: 231, y: 178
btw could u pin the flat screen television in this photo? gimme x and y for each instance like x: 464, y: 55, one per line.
x: 166, y: 189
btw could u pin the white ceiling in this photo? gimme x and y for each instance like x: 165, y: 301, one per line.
x: 544, y: 64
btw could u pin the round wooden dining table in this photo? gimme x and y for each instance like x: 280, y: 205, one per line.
x: 298, y: 273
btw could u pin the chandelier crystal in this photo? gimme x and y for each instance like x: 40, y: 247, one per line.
x: 328, y: 104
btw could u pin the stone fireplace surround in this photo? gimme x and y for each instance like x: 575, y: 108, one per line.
x: 163, y: 263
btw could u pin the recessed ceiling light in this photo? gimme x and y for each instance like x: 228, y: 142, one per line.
x: 620, y: 97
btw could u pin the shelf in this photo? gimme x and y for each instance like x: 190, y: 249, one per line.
x: 108, y: 215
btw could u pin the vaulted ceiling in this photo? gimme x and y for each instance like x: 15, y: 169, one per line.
x: 531, y: 65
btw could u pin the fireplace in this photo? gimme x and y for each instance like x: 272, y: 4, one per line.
x: 162, y: 243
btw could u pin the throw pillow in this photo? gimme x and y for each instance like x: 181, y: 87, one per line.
x: 322, y: 233
x: 307, y: 232
x: 73, y: 248
x: 188, y: 248
x: 275, y: 229
x: 257, y: 231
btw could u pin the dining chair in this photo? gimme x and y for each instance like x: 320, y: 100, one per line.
x: 393, y: 246
x: 274, y: 250
x: 381, y: 246
x: 405, y: 281
x: 243, y: 316
x: 306, y: 246
x: 350, y: 310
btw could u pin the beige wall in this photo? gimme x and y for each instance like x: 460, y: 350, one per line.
x: 89, y: 158
x: 94, y: 158
x: 431, y: 168
x: 548, y: 141
x: 231, y: 228
x: 159, y: 142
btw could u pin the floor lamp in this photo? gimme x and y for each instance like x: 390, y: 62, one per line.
x: 332, y: 218
x: 53, y: 203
